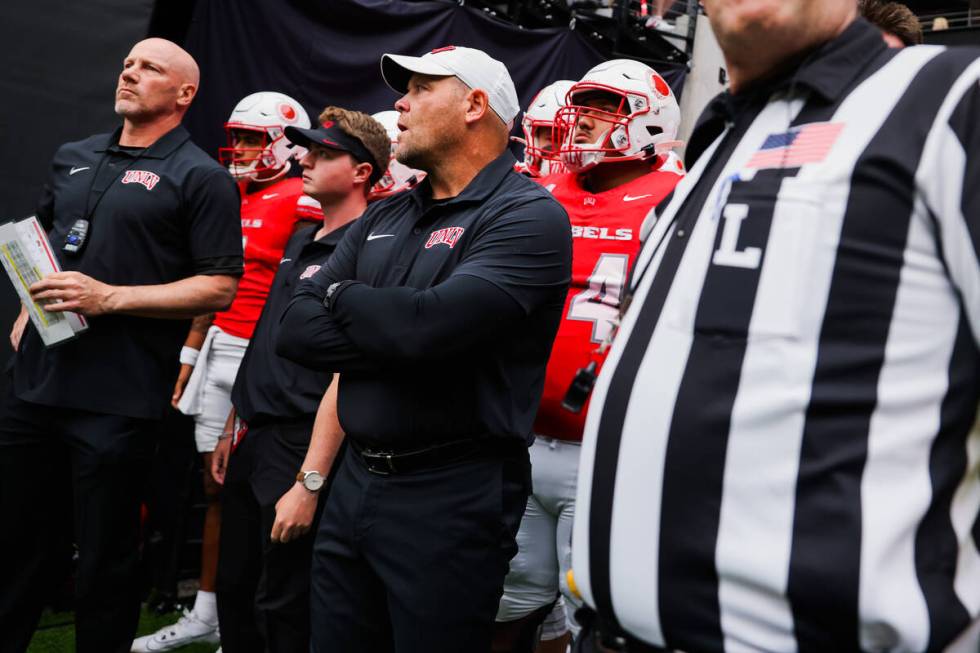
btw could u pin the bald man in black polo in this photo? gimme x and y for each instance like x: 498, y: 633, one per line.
x: 147, y: 229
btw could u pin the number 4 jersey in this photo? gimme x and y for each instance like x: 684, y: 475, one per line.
x: 605, y: 241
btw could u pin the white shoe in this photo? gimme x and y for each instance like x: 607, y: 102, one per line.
x: 187, y: 630
x: 658, y: 23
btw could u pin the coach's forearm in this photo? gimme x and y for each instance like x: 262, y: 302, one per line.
x: 327, y: 434
x: 181, y: 299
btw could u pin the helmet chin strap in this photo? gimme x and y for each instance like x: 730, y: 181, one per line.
x: 580, y: 161
x: 279, y: 174
x: 239, y: 171
x: 249, y: 173
x: 587, y: 160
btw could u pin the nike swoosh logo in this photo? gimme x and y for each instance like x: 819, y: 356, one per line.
x: 629, y: 198
x: 284, y: 260
x: 376, y: 236
x: 269, y: 196
x: 74, y: 170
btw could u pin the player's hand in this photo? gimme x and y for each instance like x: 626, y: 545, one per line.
x: 17, y: 331
x: 294, y: 514
x: 73, y: 291
x: 219, y: 460
x: 182, y: 376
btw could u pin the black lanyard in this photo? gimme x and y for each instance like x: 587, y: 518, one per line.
x: 78, y: 234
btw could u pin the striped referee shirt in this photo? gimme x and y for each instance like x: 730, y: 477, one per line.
x: 780, y: 455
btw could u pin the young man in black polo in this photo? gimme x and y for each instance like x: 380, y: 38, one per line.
x: 146, y: 227
x: 263, y: 581
x: 438, y: 310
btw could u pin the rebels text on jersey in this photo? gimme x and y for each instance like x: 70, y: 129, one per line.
x: 605, y: 240
x: 269, y: 217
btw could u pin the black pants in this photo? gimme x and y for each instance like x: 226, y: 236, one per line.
x: 416, y: 562
x: 263, y: 588
x: 47, y: 455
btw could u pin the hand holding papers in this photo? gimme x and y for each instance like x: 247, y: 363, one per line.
x: 27, y: 257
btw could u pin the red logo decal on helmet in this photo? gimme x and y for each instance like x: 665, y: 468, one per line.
x: 327, y: 124
x: 287, y: 112
x: 660, y: 86
x: 443, y: 49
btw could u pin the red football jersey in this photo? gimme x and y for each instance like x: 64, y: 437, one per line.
x: 605, y: 241
x: 269, y: 217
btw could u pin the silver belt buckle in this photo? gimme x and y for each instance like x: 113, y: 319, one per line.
x: 376, y: 467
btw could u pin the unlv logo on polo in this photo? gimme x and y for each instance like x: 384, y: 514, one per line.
x: 448, y: 236
x: 148, y: 179
x: 309, y: 271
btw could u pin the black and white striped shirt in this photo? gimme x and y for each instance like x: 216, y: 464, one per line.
x: 779, y: 455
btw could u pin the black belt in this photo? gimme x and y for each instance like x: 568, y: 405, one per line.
x: 388, y: 462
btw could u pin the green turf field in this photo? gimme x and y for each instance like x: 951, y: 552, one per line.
x: 56, y: 632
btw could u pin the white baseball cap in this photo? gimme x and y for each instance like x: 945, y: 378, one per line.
x: 473, y: 67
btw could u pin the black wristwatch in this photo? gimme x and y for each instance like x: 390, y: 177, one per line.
x: 333, y: 291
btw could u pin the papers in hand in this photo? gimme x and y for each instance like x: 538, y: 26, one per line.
x: 27, y: 257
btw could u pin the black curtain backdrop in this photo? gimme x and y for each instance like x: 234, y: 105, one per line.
x: 329, y: 52
x: 60, y: 60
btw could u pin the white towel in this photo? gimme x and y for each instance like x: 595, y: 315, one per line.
x: 190, y: 401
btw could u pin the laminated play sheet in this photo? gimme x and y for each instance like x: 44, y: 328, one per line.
x: 27, y: 257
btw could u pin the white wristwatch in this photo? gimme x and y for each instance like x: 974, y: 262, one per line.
x: 311, y: 480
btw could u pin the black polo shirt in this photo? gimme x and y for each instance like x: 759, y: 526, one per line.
x: 268, y: 386
x: 163, y: 214
x: 446, y: 328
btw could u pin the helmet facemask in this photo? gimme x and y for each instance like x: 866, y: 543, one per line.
x: 609, y: 138
x: 540, y: 155
x: 397, y: 177
x: 258, y: 162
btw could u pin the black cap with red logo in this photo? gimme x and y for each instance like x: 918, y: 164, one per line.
x: 330, y: 135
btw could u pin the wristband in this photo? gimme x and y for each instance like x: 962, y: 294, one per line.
x: 188, y: 356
